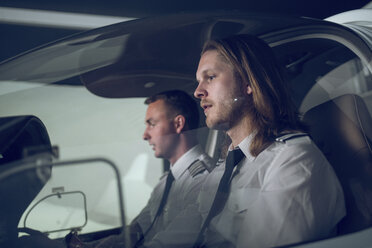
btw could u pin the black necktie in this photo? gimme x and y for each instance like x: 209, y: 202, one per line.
x: 163, y: 201
x: 233, y: 158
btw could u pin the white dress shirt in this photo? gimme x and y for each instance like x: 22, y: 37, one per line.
x: 173, y: 226
x: 288, y: 193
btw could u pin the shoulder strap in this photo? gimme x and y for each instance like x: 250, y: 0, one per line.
x: 197, y: 167
x: 289, y: 136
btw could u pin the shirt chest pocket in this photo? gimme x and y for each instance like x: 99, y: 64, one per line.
x: 175, y: 204
x: 237, y: 207
x: 240, y: 199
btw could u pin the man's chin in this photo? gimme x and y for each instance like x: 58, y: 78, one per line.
x: 158, y: 155
x: 223, y: 126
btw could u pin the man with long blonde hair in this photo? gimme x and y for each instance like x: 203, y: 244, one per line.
x: 282, y: 189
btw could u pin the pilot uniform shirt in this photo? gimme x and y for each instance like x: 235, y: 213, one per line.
x: 177, y: 223
x: 288, y: 193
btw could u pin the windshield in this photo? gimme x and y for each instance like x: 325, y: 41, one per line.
x: 83, y: 125
x: 89, y: 95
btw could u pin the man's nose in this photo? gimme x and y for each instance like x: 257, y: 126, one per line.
x: 200, y: 92
x: 146, y: 135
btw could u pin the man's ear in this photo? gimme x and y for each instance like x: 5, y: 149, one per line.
x: 249, y: 89
x: 179, y: 123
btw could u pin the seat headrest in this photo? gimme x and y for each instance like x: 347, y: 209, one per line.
x: 342, y: 129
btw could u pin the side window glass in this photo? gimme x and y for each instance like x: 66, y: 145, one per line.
x: 347, y: 77
x: 319, y: 70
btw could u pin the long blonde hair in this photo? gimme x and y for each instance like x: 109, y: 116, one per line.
x: 254, y: 62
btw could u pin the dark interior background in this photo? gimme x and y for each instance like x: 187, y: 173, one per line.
x: 19, y: 38
x: 142, y: 8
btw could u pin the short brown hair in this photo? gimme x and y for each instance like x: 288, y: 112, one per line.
x: 179, y: 103
x: 254, y: 62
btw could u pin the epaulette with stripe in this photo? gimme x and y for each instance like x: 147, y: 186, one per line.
x: 290, y: 136
x: 197, y: 167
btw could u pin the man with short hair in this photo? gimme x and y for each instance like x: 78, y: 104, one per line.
x: 171, y: 120
x: 171, y: 216
x: 281, y: 189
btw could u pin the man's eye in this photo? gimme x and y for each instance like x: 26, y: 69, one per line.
x: 150, y: 124
x: 211, y: 77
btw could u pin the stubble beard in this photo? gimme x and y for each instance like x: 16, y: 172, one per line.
x: 227, y: 115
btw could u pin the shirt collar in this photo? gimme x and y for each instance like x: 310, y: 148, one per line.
x: 184, y: 162
x: 244, y: 146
